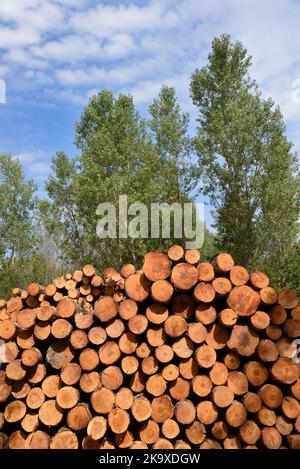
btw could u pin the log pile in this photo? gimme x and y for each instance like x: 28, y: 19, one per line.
x: 180, y: 354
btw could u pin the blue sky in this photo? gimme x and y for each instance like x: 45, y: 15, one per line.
x: 57, y: 53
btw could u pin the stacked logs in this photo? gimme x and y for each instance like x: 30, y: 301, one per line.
x: 180, y: 354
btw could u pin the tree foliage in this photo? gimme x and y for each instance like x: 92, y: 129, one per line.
x: 246, y: 164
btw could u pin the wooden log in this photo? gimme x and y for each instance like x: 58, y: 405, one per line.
x: 197, y: 332
x: 50, y: 414
x: 206, y: 272
x: 206, y: 314
x: 284, y: 370
x: 14, y: 411
x: 157, y: 313
x: 7, y: 329
x: 26, y: 318
x: 204, y: 293
x: 232, y: 361
x: 205, y: 356
x: 36, y: 374
x: 249, y: 432
x: 89, y: 359
x: 179, y: 389
x: 292, y: 328
x: 20, y: 389
x: 25, y: 339
x: 78, y: 418
x: 59, y: 353
x: 184, y: 276
x: 38, y: 440
x: 266, y: 417
x: 175, y: 326
x: 61, y: 328
x: 175, y: 253
x: 238, y: 275
x: 127, y: 309
x: 170, y: 429
x: 156, y: 336
x: 259, y: 280
x: 105, y: 309
x: 137, y: 287
x: 290, y: 407
x: 138, y: 324
x: 14, y: 304
x: 207, y: 412
x: 141, y: 408
x: 283, y: 425
x: 156, y: 385
x: 161, y: 291
x: 128, y: 343
x: 164, y: 353
x: 79, y: 339
x: 157, y: 266
x: 295, y: 388
x: 162, y: 409
x: 129, y: 364
x: 90, y: 382
x: 222, y: 396
x: 188, y: 367
x: 170, y: 372
x: 183, y: 347
x: 15, y: 370
x: 67, y: 397
x: 65, y: 308
x: 222, y: 286
x: 273, y: 332
x: 149, y: 365
x: 42, y: 330
x: 102, y: 400
x: 51, y: 385
x: 124, y: 440
x: 223, y: 263
x: 218, y: 374
x: 192, y: 256
x: 137, y: 382
x: 260, y: 320
x: 118, y: 420
x: 271, y: 395
x: 30, y: 422
x: 237, y: 382
x: 64, y: 439
x: 228, y: 317
x: 182, y: 445
x: 267, y: 350
x: 256, y: 373
x: 114, y: 330
x: 236, y: 414
x: 195, y: 432
x: 35, y: 398
x: 287, y: 298
x: 185, y: 412
x: 149, y: 432
x: 109, y: 353
x: 244, y: 300
x: 126, y: 270
x: 201, y: 385
x: 143, y: 350
x: 9, y: 352
x: 232, y: 442
x: 268, y: 295
x: 162, y: 443
x: 243, y: 340
x: 271, y: 438
x: 217, y: 336
x: 124, y: 398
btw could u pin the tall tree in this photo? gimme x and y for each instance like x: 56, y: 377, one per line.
x: 21, y: 256
x: 246, y: 164
x: 169, y: 126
